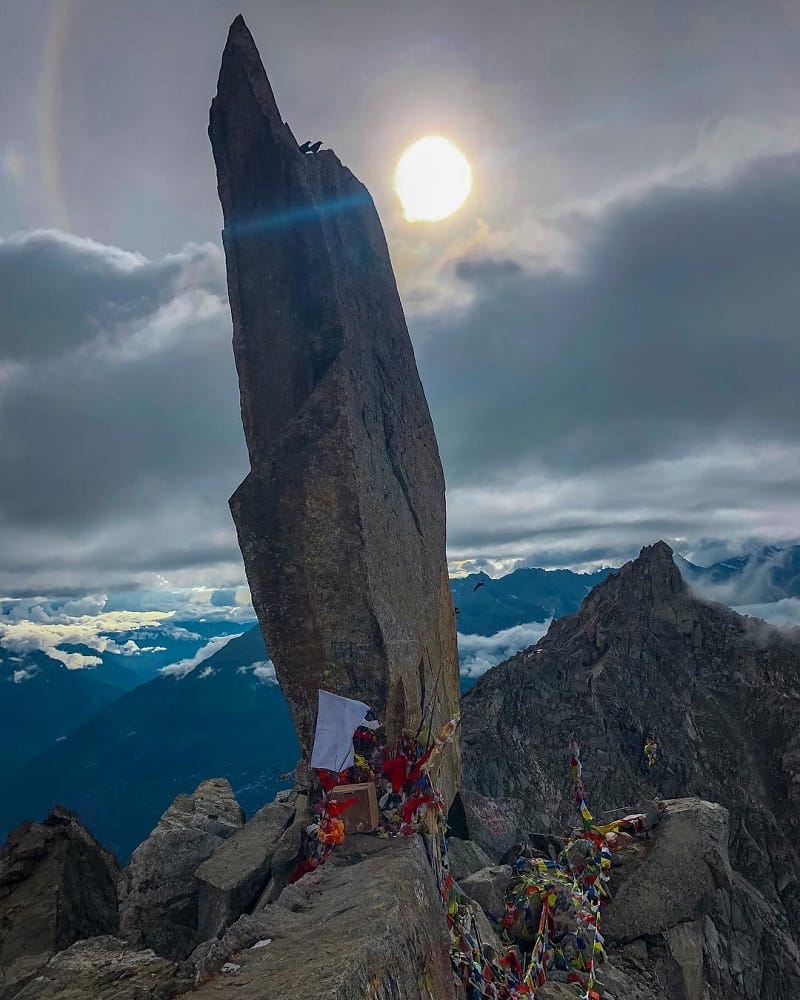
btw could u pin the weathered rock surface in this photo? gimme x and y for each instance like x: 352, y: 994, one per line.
x: 683, y: 921
x: 369, y: 923
x: 105, y: 968
x: 721, y: 694
x: 57, y: 885
x: 488, y: 888
x: 341, y: 520
x: 686, y: 864
x: 465, y: 857
x: 159, y: 891
x: 288, y: 851
x: 493, y: 823
x: 233, y: 877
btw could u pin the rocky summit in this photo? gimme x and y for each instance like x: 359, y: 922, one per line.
x: 341, y: 519
x: 720, y: 696
x: 57, y: 886
x: 660, y: 732
x: 159, y: 890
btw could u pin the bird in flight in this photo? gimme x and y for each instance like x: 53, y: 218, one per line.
x: 480, y: 583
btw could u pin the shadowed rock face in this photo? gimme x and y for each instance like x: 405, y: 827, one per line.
x: 341, y: 520
x: 57, y: 885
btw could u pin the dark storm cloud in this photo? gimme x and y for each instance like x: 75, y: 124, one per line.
x: 57, y: 292
x: 678, y: 327
x: 648, y: 391
x: 120, y: 438
x: 132, y: 391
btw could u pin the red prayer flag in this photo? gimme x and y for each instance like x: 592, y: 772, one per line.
x: 337, y: 808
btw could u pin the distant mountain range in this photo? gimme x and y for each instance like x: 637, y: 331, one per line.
x: 117, y: 742
x: 123, y: 767
x: 487, y: 606
x: 42, y: 701
x: 761, y: 577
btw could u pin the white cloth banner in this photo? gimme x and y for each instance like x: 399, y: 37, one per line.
x: 337, y: 720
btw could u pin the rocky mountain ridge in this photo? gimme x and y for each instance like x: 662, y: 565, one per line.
x: 719, y: 692
x: 704, y: 907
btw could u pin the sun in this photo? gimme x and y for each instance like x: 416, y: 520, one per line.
x: 432, y: 179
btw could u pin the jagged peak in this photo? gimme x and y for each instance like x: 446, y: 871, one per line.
x: 241, y: 56
x: 652, y: 571
x: 657, y: 552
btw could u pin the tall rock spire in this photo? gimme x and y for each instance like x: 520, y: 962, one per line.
x: 341, y: 520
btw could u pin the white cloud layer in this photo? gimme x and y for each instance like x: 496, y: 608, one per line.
x: 263, y: 671
x: 477, y: 653
x: 785, y: 612
x: 93, y: 631
x: 184, y: 667
x: 103, y: 624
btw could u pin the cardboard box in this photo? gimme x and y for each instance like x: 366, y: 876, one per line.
x: 362, y: 816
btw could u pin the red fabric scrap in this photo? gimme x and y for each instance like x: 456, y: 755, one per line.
x: 416, y: 771
x: 326, y: 779
x: 396, y: 770
x: 411, y: 806
x: 334, y: 809
x: 300, y: 869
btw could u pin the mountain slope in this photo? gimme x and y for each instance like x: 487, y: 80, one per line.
x: 526, y: 595
x: 123, y: 767
x: 720, y: 693
x: 41, y: 701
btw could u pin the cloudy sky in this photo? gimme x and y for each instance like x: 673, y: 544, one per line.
x: 607, y: 331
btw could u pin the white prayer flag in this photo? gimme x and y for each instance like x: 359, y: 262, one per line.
x: 337, y: 720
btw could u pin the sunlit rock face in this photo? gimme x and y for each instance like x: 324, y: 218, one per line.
x: 341, y: 520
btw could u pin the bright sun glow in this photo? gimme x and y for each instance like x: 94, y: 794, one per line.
x: 432, y: 180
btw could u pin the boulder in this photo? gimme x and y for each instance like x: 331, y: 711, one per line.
x: 105, y: 968
x: 494, y: 824
x: 556, y: 991
x: 465, y: 857
x: 368, y: 923
x: 341, y: 519
x: 685, y: 922
x: 158, y: 891
x: 232, y: 878
x: 488, y: 888
x: 287, y: 852
x: 57, y: 885
x: 677, y: 882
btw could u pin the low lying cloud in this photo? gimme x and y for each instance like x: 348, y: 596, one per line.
x: 477, y: 653
x: 93, y: 631
x: 99, y: 623
x: 758, y: 577
x: 785, y: 612
x: 184, y: 667
x: 263, y: 671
